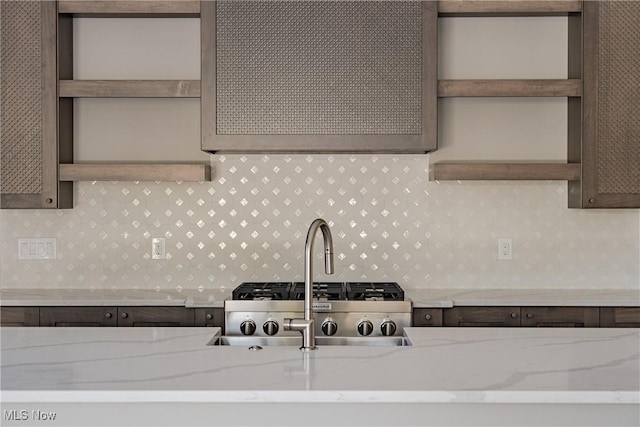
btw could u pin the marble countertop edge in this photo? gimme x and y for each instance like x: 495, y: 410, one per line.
x: 320, y: 396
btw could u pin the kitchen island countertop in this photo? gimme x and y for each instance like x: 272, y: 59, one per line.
x: 593, y: 374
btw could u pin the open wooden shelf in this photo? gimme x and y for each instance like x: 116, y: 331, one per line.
x: 129, y: 89
x: 570, y: 88
x: 508, y: 8
x: 134, y: 172
x: 524, y: 88
x: 138, y: 8
x: 506, y: 171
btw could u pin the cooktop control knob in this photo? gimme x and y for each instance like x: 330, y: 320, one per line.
x: 248, y: 327
x: 365, y: 328
x: 329, y: 327
x: 270, y: 327
x: 388, y: 328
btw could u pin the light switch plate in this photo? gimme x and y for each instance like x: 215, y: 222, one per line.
x: 37, y: 248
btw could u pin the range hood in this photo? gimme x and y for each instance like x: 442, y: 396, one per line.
x: 319, y: 76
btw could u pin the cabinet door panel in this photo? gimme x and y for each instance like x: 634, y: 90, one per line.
x: 482, y: 316
x: 427, y: 317
x: 19, y: 316
x: 564, y: 317
x: 155, y: 316
x: 78, y: 316
x: 611, y: 117
x: 620, y: 317
x: 28, y: 104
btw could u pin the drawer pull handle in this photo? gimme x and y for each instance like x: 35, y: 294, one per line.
x: 125, y: 315
x: 209, y: 316
x: 529, y: 315
x: 514, y: 315
x: 427, y: 317
x: 108, y: 315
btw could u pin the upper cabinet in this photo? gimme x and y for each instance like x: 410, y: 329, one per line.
x: 29, y: 107
x: 328, y: 76
x: 610, y: 125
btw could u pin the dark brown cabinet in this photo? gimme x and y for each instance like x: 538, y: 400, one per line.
x: 155, y: 316
x: 427, y: 317
x: 563, y: 317
x: 78, y: 316
x: 482, y: 316
x: 620, y: 317
x: 20, y: 316
x: 116, y: 316
x: 30, y: 142
x: 605, y: 126
x: 209, y: 317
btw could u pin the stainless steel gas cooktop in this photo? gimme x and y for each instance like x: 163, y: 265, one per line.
x: 366, y: 309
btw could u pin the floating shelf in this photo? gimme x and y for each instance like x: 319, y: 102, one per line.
x: 506, y: 171
x: 508, y: 8
x: 523, y: 88
x: 138, y: 8
x: 134, y: 172
x: 129, y: 89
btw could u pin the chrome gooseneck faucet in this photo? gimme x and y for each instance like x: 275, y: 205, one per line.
x: 306, y: 325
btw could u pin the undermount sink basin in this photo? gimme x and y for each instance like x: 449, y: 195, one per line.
x: 250, y: 341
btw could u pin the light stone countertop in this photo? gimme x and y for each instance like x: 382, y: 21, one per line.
x: 422, y: 298
x: 448, y: 367
x: 425, y: 298
x: 108, y: 297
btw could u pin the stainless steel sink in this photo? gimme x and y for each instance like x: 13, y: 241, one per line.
x: 292, y: 341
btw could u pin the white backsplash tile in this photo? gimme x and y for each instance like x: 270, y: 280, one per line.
x: 388, y: 220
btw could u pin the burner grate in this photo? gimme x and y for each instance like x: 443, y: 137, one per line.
x: 262, y: 291
x: 328, y: 291
x: 331, y: 291
x: 370, y: 291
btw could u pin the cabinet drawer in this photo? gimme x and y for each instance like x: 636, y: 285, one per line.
x: 78, y: 316
x: 209, y: 317
x: 19, y: 316
x: 155, y: 316
x: 564, y: 317
x: 482, y: 316
x: 620, y: 317
x: 427, y: 317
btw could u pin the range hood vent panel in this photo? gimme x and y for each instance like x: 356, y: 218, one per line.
x: 334, y: 72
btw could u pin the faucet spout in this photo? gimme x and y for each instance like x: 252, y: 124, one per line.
x: 306, y: 325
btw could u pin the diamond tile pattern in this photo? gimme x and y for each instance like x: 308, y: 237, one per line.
x: 388, y: 222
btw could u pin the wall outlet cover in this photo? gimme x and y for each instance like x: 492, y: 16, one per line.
x: 157, y: 248
x: 505, y: 247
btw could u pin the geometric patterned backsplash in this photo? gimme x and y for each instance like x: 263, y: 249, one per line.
x: 389, y: 222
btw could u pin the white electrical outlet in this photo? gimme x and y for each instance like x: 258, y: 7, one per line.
x: 37, y: 248
x: 505, y: 247
x: 157, y: 248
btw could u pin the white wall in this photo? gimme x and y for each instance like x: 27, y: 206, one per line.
x: 389, y: 222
